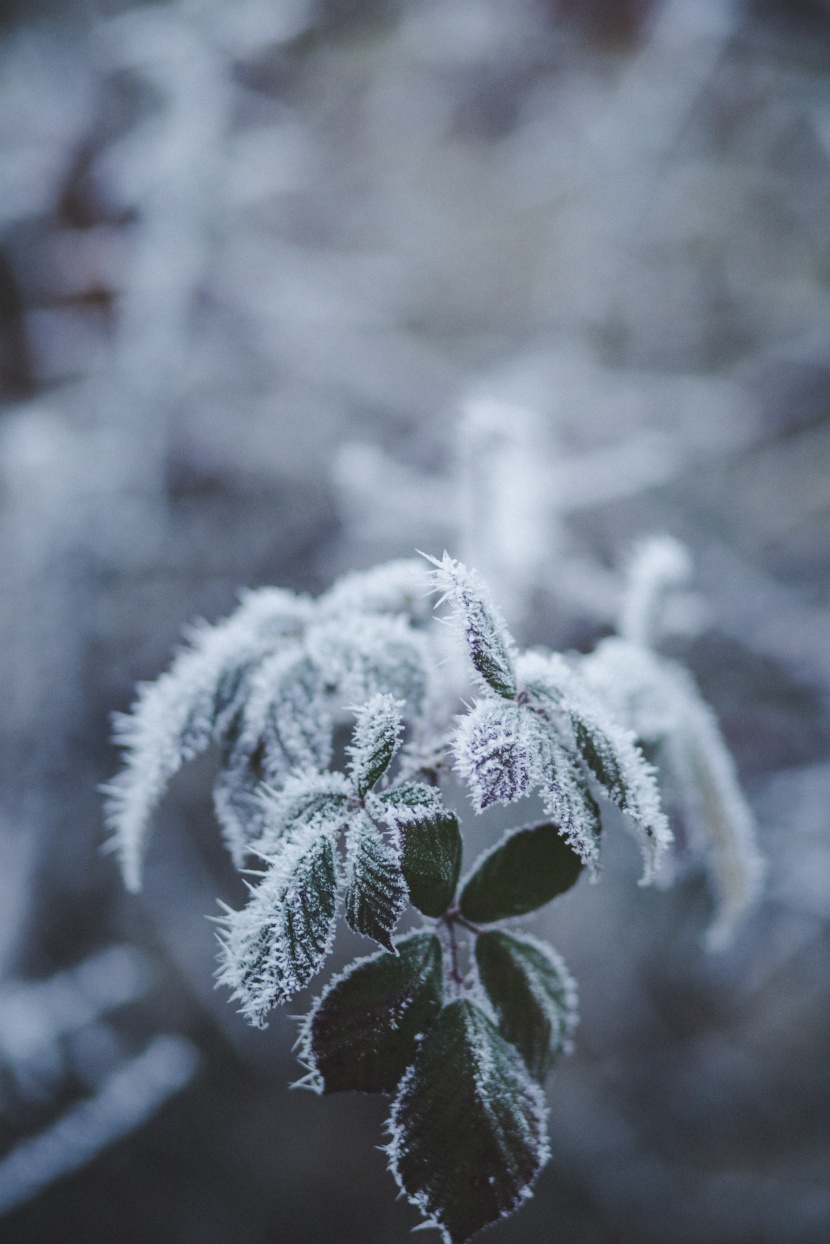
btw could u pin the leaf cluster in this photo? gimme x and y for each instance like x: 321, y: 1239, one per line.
x: 460, y: 1020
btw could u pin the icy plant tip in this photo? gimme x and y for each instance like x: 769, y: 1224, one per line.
x: 459, y: 1020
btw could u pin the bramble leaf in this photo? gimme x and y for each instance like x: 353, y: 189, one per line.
x: 372, y: 653
x: 495, y: 747
x: 236, y: 801
x: 431, y: 862
x: 405, y: 805
x: 376, y: 892
x: 489, y: 644
x: 288, y: 711
x: 363, y: 1031
x: 430, y: 842
x: 532, y: 993
x: 376, y: 738
x: 395, y: 587
x: 566, y: 701
x: 467, y: 1126
x: 177, y: 717
x: 307, y: 799
x: 659, y: 700
x: 528, y: 868
x: 274, y: 945
x: 567, y: 799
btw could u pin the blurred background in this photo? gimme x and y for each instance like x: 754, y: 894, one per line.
x: 291, y: 286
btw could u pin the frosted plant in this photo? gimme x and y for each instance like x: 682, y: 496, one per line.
x: 338, y: 722
x: 658, y: 700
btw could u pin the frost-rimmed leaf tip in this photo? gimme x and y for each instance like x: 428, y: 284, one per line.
x: 489, y: 644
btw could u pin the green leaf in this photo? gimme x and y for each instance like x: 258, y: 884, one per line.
x: 306, y: 798
x: 274, y: 945
x: 376, y: 738
x: 468, y: 1125
x: 402, y: 805
x: 376, y: 892
x: 430, y: 842
x: 566, y: 798
x: 528, y: 868
x: 601, y: 757
x: 364, y: 1029
x: 431, y: 862
x: 533, y: 996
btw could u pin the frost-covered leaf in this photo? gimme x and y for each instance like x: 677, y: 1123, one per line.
x: 496, y: 748
x: 368, y: 654
x: 523, y: 871
x: 288, y: 715
x: 278, y: 941
x: 187, y: 708
x: 363, y: 1032
x: 376, y: 738
x: 468, y: 1125
x: 236, y: 800
x: 658, y: 700
x: 431, y: 862
x: 376, y: 892
x: 430, y: 843
x: 393, y: 587
x: 606, y: 747
x: 532, y: 994
x: 718, y: 819
x: 488, y: 641
x: 405, y: 805
x: 307, y: 799
x: 567, y: 799
x: 635, y: 685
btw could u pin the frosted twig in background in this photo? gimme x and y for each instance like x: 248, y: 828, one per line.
x: 168, y: 170
x: 127, y: 1100
x: 657, y: 565
x: 507, y: 515
x: 35, y: 1014
x: 659, y: 701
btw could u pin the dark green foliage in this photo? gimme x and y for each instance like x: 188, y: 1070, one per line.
x: 468, y: 1125
x: 362, y: 1033
x: 376, y: 891
x: 377, y: 736
x: 532, y: 994
x: 413, y: 801
x: 274, y: 945
x: 524, y: 871
x: 431, y: 861
x: 601, y: 757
